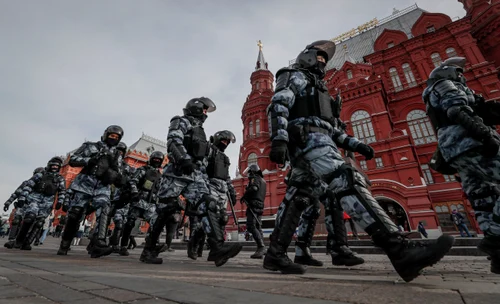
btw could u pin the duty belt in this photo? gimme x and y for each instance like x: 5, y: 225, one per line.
x: 313, y: 129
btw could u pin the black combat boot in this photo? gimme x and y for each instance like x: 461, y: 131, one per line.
x: 148, y: 255
x: 123, y: 251
x: 32, y: 235
x: 201, y: 244
x: 100, y: 247
x: 344, y: 256
x: 276, y: 258
x: 114, y: 239
x: 304, y: 244
x: 26, y: 225
x: 70, y: 229
x: 410, y: 257
x: 491, y: 246
x: 220, y: 252
x: 261, y: 249
x: 14, y: 229
x: 192, y: 247
x: 341, y: 254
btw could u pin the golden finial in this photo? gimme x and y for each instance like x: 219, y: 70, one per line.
x: 260, y: 45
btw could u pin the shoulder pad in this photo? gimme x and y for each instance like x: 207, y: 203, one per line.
x: 175, y: 122
x: 283, y: 78
x: 443, y: 87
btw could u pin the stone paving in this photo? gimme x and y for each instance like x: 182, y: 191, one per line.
x: 40, y: 276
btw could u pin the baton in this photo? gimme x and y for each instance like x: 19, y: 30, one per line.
x: 234, y: 213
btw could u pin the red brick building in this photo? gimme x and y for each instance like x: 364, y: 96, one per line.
x: 380, y: 69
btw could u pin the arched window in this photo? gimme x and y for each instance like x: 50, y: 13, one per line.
x: 450, y: 52
x: 257, y: 127
x: 362, y: 126
x: 436, y: 59
x: 410, y: 79
x: 395, y: 79
x: 420, y: 127
x: 349, y: 74
x: 252, y: 159
x: 250, y: 128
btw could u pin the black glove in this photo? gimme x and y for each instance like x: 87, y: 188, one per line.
x: 490, y: 147
x: 6, y: 207
x: 134, y: 195
x: 20, y: 202
x: 365, y: 150
x: 278, y: 154
x: 187, y: 166
x: 65, y: 208
x: 58, y: 206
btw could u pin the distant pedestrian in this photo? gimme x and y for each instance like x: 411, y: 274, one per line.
x: 421, y: 229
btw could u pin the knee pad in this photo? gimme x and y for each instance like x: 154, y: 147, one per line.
x: 312, y: 212
x: 17, y: 220
x: 211, y: 203
x: 29, y: 218
x: 75, y: 213
x: 39, y: 223
x: 483, y: 199
x: 301, y: 201
x: 130, y: 221
x: 119, y: 225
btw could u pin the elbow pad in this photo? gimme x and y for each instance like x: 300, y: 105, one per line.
x: 177, y: 152
x: 473, y: 124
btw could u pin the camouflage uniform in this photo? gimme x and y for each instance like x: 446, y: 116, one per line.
x: 120, y: 198
x: 468, y: 144
x: 18, y: 215
x: 142, y: 206
x: 300, y: 117
x: 220, y: 187
x: 92, y: 192
x: 39, y: 203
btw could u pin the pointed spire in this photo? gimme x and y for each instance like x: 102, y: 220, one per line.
x: 261, y: 62
x: 347, y: 57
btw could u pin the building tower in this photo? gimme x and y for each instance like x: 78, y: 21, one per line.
x: 255, y: 146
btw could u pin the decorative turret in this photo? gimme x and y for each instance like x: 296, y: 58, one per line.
x: 255, y: 129
x: 485, y: 21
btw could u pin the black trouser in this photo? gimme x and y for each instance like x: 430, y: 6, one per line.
x: 171, y: 228
x: 253, y: 225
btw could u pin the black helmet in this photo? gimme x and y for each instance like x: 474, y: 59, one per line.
x: 38, y: 170
x: 307, y: 58
x: 218, y: 137
x: 451, y: 69
x: 113, y: 129
x: 54, y: 164
x: 156, y: 159
x: 122, y: 147
x: 252, y: 170
x: 196, y: 106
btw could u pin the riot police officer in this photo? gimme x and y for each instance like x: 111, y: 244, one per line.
x: 18, y: 215
x: 254, y: 197
x: 92, y: 189
x: 120, y: 198
x: 38, y: 196
x: 220, y: 187
x: 144, y: 186
x: 468, y: 144
x: 300, y: 123
x: 188, y: 149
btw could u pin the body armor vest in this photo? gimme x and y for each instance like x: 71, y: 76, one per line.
x: 218, y: 166
x: 150, y: 179
x: 98, y: 169
x: 196, y: 143
x: 47, y: 185
x: 259, y: 195
x: 316, y: 102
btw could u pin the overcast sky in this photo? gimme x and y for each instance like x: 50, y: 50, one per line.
x: 68, y: 69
